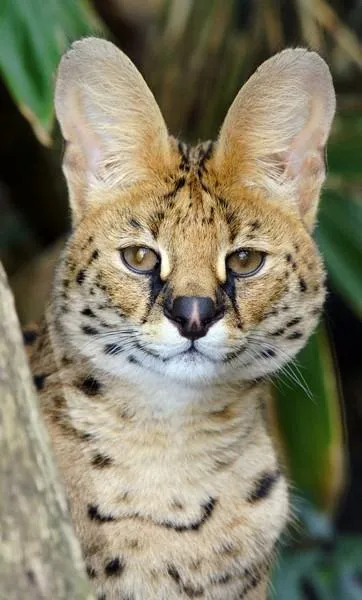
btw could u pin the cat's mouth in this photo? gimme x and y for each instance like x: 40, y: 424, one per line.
x: 192, y: 351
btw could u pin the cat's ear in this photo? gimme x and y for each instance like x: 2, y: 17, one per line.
x: 114, y: 131
x: 275, y: 132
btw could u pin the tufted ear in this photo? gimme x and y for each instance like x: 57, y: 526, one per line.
x: 275, y: 132
x: 113, y: 128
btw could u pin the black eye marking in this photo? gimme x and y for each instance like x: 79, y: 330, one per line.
x: 263, y: 486
x: 80, y: 276
x: 95, y: 515
x: 89, y: 330
x: 114, y: 567
x: 112, y: 349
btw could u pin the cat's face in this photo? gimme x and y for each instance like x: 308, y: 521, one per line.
x: 202, y: 269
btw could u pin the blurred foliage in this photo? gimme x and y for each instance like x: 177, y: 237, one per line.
x: 196, y: 56
x: 33, y: 36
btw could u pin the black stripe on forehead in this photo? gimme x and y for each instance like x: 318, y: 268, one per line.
x: 184, y: 151
x: 205, y: 154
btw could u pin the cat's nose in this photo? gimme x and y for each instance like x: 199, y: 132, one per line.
x: 193, y: 315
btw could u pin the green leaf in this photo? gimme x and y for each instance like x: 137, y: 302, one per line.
x: 345, y: 146
x: 330, y: 574
x: 33, y: 35
x: 310, y: 426
x: 339, y: 238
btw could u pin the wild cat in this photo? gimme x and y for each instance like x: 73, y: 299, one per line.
x: 189, y: 278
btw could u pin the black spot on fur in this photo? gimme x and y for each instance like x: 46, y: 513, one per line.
x: 112, y: 349
x: 288, y: 258
x: 221, y: 579
x: 89, y: 330
x: 190, y: 590
x: 206, y: 512
x: 294, y: 322
x: 132, y: 360
x: 91, y: 572
x: 29, y: 336
x: 94, y: 255
x: 39, y: 381
x: 278, y: 332
x: 302, y: 285
x: 114, y: 567
x: 268, y: 353
x: 254, y: 225
x: 135, y: 223
x: 101, y: 461
x: 31, y: 576
x: 87, y: 312
x: 89, y: 386
x: 80, y: 276
x: 95, y: 515
x: 252, y: 579
x: 173, y: 572
x: 296, y: 335
x: 263, y: 486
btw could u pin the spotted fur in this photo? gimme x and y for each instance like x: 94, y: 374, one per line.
x: 175, y: 488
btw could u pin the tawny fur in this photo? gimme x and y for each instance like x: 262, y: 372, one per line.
x: 175, y: 488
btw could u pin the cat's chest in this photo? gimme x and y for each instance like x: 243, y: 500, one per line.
x: 211, y: 541
x: 163, y: 515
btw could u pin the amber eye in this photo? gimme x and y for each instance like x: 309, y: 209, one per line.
x: 140, y: 259
x: 245, y: 262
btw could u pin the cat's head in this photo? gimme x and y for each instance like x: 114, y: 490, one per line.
x: 194, y: 264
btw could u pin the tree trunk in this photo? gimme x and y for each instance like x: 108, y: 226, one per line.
x: 40, y: 557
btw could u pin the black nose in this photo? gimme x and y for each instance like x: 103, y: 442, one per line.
x: 193, y: 315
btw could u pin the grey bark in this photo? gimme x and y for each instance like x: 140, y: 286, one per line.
x: 40, y: 557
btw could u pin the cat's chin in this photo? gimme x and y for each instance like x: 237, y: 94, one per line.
x: 188, y: 369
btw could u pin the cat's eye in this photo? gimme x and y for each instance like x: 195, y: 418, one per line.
x: 140, y: 259
x: 245, y: 262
